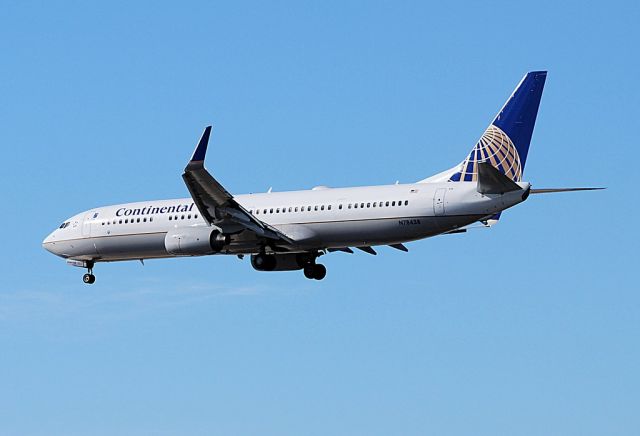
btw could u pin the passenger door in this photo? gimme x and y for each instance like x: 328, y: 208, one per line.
x: 438, y: 202
x: 86, y: 224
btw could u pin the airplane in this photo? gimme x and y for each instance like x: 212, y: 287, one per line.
x: 287, y: 231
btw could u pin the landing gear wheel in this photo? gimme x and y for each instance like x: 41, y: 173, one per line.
x: 309, y: 271
x: 89, y: 278
x: 319, y: 271
x: 315, y: 271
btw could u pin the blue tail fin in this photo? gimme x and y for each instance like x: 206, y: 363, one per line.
x: 505, y: 143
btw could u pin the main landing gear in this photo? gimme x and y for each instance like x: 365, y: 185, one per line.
x: 290, y: 262
x: 89, y: 278
x: 315, y: 271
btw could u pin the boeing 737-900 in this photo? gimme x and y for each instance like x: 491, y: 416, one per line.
x: 284, y: 231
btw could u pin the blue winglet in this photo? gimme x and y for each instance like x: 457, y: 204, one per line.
x: 201, y: 148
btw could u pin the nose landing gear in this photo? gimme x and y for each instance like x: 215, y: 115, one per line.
x: 89, y: 278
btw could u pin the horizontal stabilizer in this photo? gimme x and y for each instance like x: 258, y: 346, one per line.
x: 492, y: 181
x: 552, y: 190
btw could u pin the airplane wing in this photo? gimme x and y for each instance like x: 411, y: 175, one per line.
x: 216, y: 205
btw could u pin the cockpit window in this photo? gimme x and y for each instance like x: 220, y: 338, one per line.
x: 64, y: 225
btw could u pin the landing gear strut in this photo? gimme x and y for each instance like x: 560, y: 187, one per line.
x: 89, y: 278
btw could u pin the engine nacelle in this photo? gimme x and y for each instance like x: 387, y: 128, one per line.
x: 194, y: 241
x: 279, y: 262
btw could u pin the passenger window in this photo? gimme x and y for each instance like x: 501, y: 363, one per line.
x: 296, y: 209
x: 374, y: 204
x: 368, y: 204
x: 189, y: 217
x: 270, y: 210
x: 349, y: 207
x: 289, y: 208
x: 264, y: 211
x: 151, y: 219
x: 406, y: 202
x: 393, y: 203
x: 361, y: 205
x: 145, y: 220
x: 329, y: 207
x: 322, y: 207
x: 308, y: 208
x: 138, y: 220
x: 340, y: 207
x: 355, y: 206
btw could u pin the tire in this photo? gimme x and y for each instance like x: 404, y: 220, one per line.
x: 88, y: 278
x: 309, y: 271
x: 319, y: 272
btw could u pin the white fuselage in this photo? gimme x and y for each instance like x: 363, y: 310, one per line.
x: 317, y: 219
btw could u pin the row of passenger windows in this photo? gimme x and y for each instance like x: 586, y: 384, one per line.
x: 182, y: 217
x: 328, y: 207
x: 321, y: 207
x: 128, y: 221
x: 150, y: 219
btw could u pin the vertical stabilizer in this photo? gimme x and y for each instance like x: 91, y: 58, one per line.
x: 505, y: 143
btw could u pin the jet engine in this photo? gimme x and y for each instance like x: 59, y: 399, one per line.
x: 279, y: 262
x: 194, y: 241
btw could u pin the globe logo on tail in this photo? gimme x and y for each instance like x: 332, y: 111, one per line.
x: 496, y: 148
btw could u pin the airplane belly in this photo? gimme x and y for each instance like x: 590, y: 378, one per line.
x: 138, y: 246
x: 372, y: 231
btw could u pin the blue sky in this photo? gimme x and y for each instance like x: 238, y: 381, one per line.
x: 529, y: 328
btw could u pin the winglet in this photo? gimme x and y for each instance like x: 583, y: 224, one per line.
x: 201, y: 148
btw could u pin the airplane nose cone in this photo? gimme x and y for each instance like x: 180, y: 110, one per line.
x: 49, y: 243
